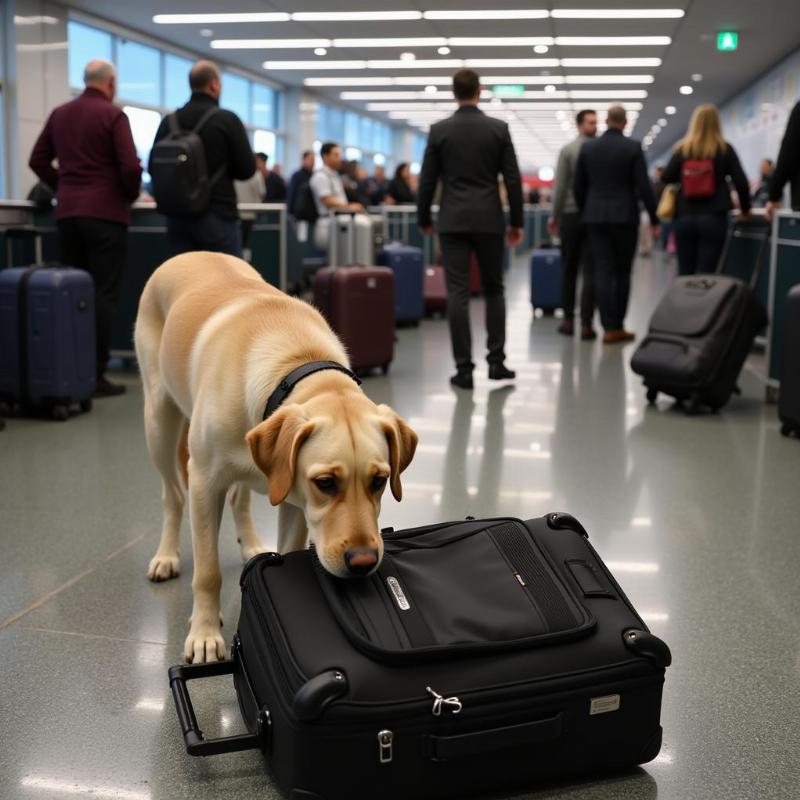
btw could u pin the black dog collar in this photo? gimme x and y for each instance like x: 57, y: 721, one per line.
x: 295, y: 376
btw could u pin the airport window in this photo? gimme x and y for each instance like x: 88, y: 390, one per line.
x: 265, y: 109
x: 236, y: 96
x: 266, y: 142
x: 176, y: 80
x: 139, y: 68
x: 144, y: 124
x: 85, y: 43
x: 352, y: 131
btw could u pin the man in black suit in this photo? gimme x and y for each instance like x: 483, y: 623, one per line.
x: 466, y: 152
x: 788, y: 166
x: 610, y: 180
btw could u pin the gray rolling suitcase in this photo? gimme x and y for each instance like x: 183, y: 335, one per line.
x: 481, y: 656
x: 701, y: 333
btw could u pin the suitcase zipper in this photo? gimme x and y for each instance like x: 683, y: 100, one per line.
x: 385, y: 747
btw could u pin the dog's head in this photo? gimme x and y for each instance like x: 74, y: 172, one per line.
x: 333, y: 457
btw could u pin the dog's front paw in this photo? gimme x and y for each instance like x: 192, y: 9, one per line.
x: 204, y: 644
x: 163, y: 567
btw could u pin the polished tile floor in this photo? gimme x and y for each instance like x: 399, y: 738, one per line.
x: 698, y: 517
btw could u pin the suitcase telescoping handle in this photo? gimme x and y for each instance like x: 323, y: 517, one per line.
x: 196, y: 743
x: 759, y: 228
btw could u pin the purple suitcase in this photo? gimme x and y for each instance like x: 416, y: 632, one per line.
x: 47, y: 338
x: 358, y: 303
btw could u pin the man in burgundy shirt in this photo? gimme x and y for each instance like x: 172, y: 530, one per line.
x: 97, y: 178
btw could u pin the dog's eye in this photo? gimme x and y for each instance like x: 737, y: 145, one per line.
x: 378, y: 482
x: 326, y: 484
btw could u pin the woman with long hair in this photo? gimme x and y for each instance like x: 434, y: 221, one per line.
x: 702, y: 163
x: 400, y: 187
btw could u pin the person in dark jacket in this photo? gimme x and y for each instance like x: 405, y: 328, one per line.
x: 399, y: 187
x: 97, y: 178
x: 273, y: 180
x: 787, y: 170
x: 761, y: 189
x: 226, y: 145
x: 701, y: 223
x: 610, y: 180
x: 302, y: 176
x: 466, y: 152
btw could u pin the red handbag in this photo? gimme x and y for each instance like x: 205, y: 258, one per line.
x: 698, y: 178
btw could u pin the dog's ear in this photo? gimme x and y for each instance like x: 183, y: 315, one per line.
x: 274, y: 444
x: 402, y: 444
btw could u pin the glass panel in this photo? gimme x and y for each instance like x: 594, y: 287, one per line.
x: 265, y: 142
x: 144, y: 124
x: 365, y: 138
x: 176, y: 80
x: 139, y: 69
x: 264, y: 110
x: 236, y: 95
x: 84, y: 43
x: 280, y: 99
x: 352, y: 154
x: 351, y: 129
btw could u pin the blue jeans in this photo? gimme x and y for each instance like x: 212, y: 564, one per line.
x: 209, y: 232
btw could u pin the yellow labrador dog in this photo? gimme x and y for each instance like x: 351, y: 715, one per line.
x: 214, y: 342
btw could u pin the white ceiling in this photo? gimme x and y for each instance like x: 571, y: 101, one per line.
x: 541, y: 120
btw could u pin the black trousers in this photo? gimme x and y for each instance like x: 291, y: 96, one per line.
x: 208, y: 232
x: 699, y: 239
x: 577, y: 257
x: 456, y: 250
x: 101, y: 248
x: 613, y: 250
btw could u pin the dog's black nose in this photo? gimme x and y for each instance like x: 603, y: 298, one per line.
x: 361, y: 560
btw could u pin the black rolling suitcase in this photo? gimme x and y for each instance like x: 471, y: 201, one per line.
x: 483, y: 655
x: 701, y: 332
x: 789, y: 398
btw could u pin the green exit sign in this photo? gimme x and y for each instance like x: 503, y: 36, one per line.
x: 727, y: 40
x: 508, y: 89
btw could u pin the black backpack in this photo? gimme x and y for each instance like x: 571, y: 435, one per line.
x: 178, y: 168
x: 304, y: 207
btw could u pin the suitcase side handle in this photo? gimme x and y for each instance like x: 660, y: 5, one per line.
x: 196, y: 743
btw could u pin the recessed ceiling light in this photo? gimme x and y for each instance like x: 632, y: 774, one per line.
x: 549, y: 88
x: 697, y: 77
x: 320, y: 51
x: 663, y: 122
x: 686, y: 89
x: 541, y: 49
x: 670, y: 110
x: 407, y: 57
x: 431, y: 89
x: 443, y: 51
x: 207, y: 32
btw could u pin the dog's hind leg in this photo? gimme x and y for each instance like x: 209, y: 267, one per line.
x: 239, y: 499
x: 165, y: 430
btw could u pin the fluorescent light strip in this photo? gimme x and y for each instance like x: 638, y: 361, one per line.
x: 488, y: 80
x: 455, y: 63
x: 531, y: 106
x: 499, y: 41
x: 204, y: 19
x: 617, y: 13
x: 610, y: 41
x: 269, y: 44
x: 588, y: 94
x: 431, y: 41
x: 610, y: 62
x: 354, y: 16
x: 514, y: 13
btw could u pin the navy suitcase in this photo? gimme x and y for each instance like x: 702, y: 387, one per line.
x: 483, y: 656
x: 47, y: 339
x: 546, y: 280
x: 407, y: 263
x: 789, y: 400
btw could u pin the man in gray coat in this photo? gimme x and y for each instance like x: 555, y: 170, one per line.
x: 466, y: 152
x: 565, y: 221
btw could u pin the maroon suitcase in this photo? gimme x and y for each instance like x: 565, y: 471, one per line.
x: 358, y: 302
x: 435, y: 290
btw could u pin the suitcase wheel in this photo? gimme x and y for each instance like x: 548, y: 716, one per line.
x: 60, y: 413
x: 385, y: 368
x: 652, y: 396
x: 787, y: 429
x: 694, y: 406
x: 86, y: 405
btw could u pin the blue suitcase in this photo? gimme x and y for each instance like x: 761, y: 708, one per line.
x: 546, y: 280
x: 47, y: 339
x: 409, y: 280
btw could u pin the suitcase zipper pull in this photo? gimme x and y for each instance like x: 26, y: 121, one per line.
x: 385, y: 741
x: 439, y: 701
